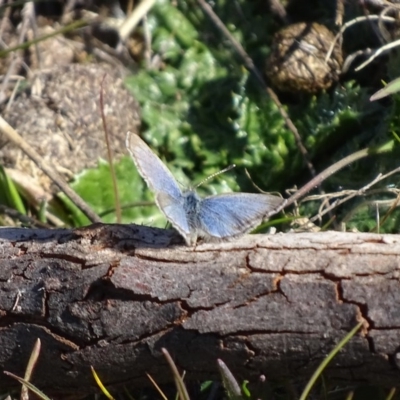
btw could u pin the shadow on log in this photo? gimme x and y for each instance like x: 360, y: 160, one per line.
x: 112, y: 296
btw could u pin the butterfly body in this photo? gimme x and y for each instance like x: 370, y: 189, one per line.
x: 222, y: 216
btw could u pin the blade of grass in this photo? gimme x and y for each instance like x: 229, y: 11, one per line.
x: 229, y: 382
x: 391, y: 394
x: 42, y: 211
x: 128, y: 394
x: 245, y: 389
x: 31, y: 387
x: 327, y: 360
x: 391, y: 88
x: 177, y: 397
x: 100, y: 384
x: 10, y: 192
x: 157, y: 387
x: 183, y: 394
x: 29, y: 368
x: 350, y: 395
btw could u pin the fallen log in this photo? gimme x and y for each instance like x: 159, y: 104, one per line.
x: 111, y: 296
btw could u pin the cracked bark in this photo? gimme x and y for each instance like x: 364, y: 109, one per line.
x: 113, y: 296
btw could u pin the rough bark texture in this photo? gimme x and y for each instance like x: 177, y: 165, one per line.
x: 113, y: 296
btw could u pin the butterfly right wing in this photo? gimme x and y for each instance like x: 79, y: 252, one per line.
x: 233, y: 214
x: 160, y: 181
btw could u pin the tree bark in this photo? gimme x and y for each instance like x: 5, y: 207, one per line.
x: 112, y: 296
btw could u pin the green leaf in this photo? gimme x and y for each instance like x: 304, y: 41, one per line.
x: 9, y: 194
x: 175, y: 22
x: 245, y: 389
x: 95, y: 187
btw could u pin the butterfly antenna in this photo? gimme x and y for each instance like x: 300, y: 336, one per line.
x: 216, y: 174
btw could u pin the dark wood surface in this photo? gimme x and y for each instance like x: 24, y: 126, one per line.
x: 112, y: 296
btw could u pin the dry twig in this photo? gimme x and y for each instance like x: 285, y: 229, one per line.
x: 134, y: 18
x: 353, y: 22
x: 351, y: 194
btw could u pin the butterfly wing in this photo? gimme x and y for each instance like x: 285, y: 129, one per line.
x: 159, y: 179
x: 233, y: 214
x: 173, y: 208
x: 151, y: 168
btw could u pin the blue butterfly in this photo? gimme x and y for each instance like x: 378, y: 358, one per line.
x: 214, y: 217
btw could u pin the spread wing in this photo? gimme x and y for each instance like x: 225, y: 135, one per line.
x: 159, y: 179
x: 234, y: 214
x: 151, y: 168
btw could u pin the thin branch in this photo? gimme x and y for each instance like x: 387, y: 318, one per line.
x: 353, y: 22
x: 359, y: 192
x: 109, y: 154
x: 315, y: 182
x: 378, y: 52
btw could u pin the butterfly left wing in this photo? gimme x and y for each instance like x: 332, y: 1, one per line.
x: 159, y: 179
x: 151, y: 168
x: 233, y: 214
